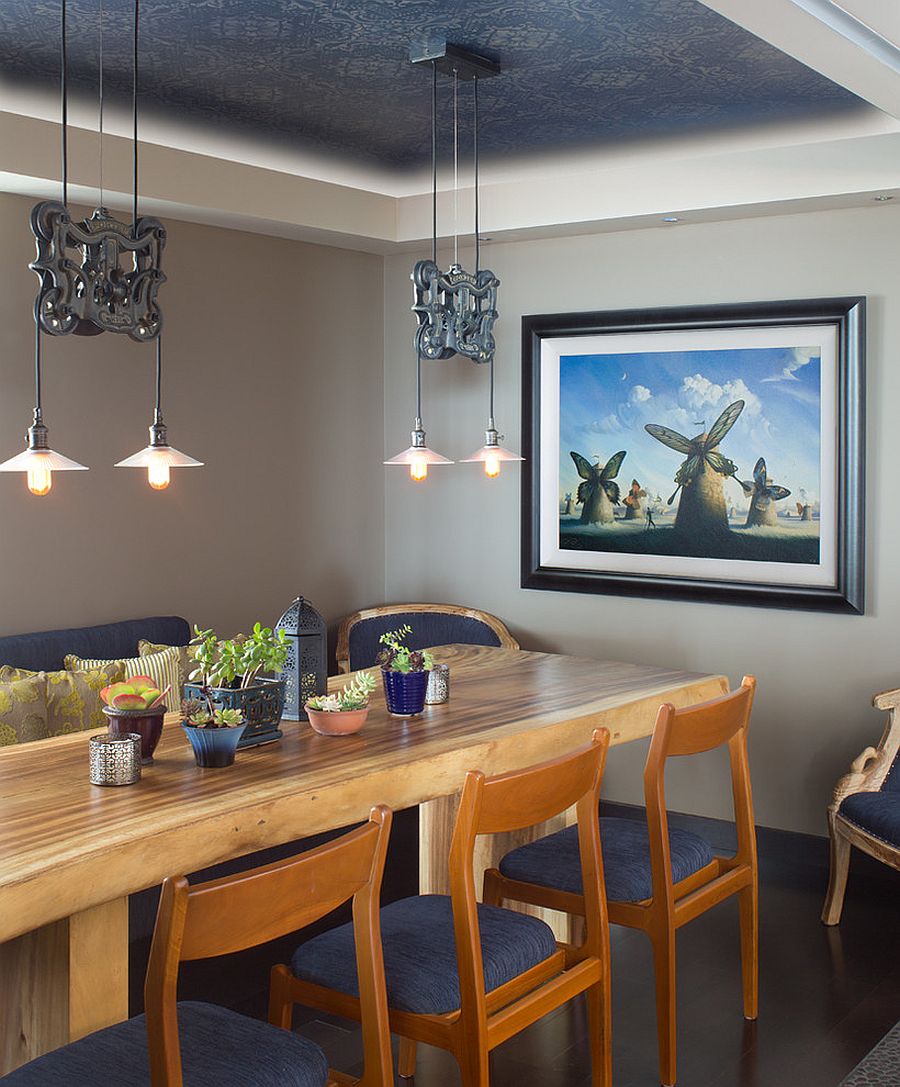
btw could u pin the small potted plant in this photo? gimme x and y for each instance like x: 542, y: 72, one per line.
x: 405, y: 673
x: 229, y: 675
x: 344, y: 712
x: 213, y: 734
x: 136, y: 705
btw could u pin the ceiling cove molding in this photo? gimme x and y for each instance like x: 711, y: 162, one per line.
x: 854, y: 30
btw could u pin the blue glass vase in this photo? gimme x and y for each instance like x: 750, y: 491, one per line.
x: 214, y: 747
x: 404, y: 692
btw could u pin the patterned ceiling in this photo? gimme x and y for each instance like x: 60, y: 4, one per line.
x: 333, y: 75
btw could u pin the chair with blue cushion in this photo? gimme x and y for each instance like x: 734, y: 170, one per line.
x: 190, y: 1044
x: 865, y: 809
x: 432, y: 624
x: 463, y: 976
x: 658, y: 878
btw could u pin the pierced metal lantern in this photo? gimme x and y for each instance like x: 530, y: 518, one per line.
x: 306, y: 670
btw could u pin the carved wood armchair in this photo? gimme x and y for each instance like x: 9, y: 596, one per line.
x: 865, y: 809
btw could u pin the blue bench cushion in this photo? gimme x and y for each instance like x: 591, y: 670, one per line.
x: 219, y: 1048
x: 428, y: 628
x: 420, y: 953
x: 44, y: 651
x: 555, y: 861
x: 876, y: 813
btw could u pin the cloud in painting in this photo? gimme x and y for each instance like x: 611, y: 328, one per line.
x: 639, y: 394
x: 699, y: 392
x: 799, y: 357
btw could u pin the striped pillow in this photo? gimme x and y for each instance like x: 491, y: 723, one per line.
x: 163, y: 668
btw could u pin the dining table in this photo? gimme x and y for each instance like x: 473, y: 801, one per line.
x: 71, y: 852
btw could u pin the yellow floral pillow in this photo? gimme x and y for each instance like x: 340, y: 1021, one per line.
x: 23, y: 711
x: 73, y: 698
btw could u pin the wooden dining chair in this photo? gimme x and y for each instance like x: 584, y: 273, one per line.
x: 658, y: 878
x: 433, y: 624
x: 204, y: 1045
x: 466, y: 977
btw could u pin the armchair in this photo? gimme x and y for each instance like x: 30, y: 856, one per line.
x: 865, y: 809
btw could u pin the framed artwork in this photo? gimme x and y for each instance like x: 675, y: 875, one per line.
x: 710, y: 453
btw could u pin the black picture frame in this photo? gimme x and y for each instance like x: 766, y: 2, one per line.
x: 848, y: 315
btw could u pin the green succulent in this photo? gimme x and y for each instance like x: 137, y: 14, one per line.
x: 397, y: 657
x: 355, y: 696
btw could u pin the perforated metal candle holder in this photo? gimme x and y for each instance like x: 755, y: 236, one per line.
x: 115, y: 760
x: 438, y: 690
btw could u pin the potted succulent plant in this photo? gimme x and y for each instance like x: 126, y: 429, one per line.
x: 213, y: 733
x: 136, y: 705
x: 404, y: 672
x: 343, y: 712
x: 230, y: 675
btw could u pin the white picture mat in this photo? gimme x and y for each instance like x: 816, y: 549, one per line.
x: 820, y: 575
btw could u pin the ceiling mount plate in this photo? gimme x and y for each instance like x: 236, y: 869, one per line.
x: 453, y: 59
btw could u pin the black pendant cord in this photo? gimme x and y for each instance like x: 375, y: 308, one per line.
x: 38, y: 406
x: 455, y: 166
x: 134, y: 113
x: 100, y: 104
x: 157, y: 415
x: 475, y: 152
x: 64, y: 102
x: 434, y: 74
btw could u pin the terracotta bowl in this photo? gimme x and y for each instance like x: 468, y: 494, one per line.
x: 337, y: 724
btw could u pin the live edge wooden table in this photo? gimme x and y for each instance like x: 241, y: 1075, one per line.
x: 71, y: 853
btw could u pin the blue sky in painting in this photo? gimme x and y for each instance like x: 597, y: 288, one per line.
x: 605, y: 400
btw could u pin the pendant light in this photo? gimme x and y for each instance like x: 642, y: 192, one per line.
x: 418, y: 456
x: 492, y: 453
x: 159, y: 457
x: 39, y: 461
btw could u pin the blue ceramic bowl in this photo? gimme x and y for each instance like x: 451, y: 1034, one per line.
x: 214, y: 747
x: 404, y: 692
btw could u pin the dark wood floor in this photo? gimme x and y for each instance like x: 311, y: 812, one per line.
x: 826, y: 997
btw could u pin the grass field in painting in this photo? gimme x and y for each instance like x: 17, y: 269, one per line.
x: 791, y: 541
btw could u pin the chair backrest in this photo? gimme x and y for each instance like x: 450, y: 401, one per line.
x: 691, y: 731
x: 512, y: 802
x: 251, y: 908
x: 432, y: 624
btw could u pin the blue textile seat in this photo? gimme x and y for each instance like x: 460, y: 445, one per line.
x: 554, y: 861
x: 219, y: 1048
x: 877, y: 814
x: 420, y: 953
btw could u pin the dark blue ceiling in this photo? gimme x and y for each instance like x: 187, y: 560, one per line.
x: 333, y: 75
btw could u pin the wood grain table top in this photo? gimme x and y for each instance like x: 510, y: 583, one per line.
x: 66, y: 845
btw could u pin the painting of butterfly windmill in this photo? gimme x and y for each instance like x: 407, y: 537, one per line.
x: 696, y: 454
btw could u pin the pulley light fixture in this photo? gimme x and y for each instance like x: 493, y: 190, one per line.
x: 455, y: 310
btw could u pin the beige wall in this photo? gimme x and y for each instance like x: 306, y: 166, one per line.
x: 457, y: 539
x: 272, y: 376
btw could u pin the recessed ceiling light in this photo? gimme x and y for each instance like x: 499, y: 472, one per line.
x: 883, y: 198
x: 671, y: 219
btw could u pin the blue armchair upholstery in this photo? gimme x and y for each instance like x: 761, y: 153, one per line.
x: 432, y: 624
x: 865, y: 809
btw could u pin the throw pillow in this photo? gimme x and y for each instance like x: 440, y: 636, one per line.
x: 185, y: 654
x: 73, y: 698
x: 162, y: 668
x: 23, y: 711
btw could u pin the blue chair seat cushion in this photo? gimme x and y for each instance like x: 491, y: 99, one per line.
x: 219, y: 1048
x: 876, y: 813
x: 420, y: 953
x: 555, y: 861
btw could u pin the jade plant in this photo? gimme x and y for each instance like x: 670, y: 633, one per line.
x: 197, y: 715
x: 135, y: 693
x: 355, y: 696
x: 397, y: 657
x: 222, y: 663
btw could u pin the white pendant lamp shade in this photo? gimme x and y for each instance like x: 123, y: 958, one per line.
x: 418, y: 457
x: 492, y: 455
x: 159, y: 457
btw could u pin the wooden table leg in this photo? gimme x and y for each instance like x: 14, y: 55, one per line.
x: 436, y: 820
x: 63, y: 981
